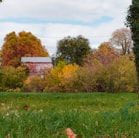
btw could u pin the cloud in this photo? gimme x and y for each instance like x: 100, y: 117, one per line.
x: 52, y: 20
x: 87, y: 10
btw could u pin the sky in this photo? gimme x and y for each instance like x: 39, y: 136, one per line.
x: 53, y: 20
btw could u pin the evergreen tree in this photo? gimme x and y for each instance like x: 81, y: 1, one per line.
x: 133, y: 23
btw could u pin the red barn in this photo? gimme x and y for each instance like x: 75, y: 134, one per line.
x: 37, y: 65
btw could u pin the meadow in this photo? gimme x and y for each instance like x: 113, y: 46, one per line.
x: 92, y: 115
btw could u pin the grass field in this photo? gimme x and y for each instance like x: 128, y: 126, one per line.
x: 92, y: 115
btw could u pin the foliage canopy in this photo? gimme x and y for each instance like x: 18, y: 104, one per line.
x: 17, y: 46
x: 72, y: 50
x: 105, y: 54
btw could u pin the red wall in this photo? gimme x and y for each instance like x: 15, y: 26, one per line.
x: 38, y: 68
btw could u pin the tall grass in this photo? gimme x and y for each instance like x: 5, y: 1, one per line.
x: 93, y: 115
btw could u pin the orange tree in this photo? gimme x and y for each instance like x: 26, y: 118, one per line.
x: 105, y: 54
x: 17, y: 46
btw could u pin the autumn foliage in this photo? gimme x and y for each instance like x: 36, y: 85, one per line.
x: 105, y: 54
x: 122, y: 38
x: 12, y: 79
x: 104, y: 69
x: 17, y: 46
x: 59, y: 79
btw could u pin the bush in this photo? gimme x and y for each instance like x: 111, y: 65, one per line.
x: 11, y: 78
x: 89, y: 78
x: 121, y: 75
x: 72, y: 78
x: 33, y: 84
x: 59, y: 79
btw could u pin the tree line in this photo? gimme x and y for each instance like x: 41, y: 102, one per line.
x: 69, y: 49
x: 77, y: 67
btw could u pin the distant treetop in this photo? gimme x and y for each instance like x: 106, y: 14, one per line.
x: 25, y: 44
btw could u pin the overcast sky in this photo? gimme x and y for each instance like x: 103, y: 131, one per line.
x: 52, y: 20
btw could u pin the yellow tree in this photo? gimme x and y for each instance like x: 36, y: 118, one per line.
x: 59, y: 78
x: 66, y: 75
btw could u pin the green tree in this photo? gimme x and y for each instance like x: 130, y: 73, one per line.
x: 17, y: 46
x: 72, y: 50
x: 133, y: 23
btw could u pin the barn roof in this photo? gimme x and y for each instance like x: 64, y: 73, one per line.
x: 36, y: 59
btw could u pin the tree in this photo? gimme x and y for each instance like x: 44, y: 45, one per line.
x: 121, y: 75
x: 122, y: 38
x: 133, y: 23
x: 72, y: 50
x: 105, y: 54
x: 59, y: 79
x: 17, y: 46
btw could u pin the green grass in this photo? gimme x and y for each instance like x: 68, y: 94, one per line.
x: 93, y: 115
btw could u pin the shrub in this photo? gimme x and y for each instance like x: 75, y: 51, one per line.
x: 59, y: 78
x: 121, y: 75
x: 33, y: 84
x: 11, y: 78
x: 89, y: 78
